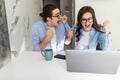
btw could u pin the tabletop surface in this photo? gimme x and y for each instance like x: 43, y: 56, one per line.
x: 32, y: 66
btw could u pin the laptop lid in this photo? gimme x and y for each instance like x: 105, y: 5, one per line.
x: 106, y: 62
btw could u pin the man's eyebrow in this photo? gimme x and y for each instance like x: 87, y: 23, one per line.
x: 57, y: 13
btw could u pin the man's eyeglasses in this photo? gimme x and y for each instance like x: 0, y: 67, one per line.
x: 58, y: 15
x: 90, y: 19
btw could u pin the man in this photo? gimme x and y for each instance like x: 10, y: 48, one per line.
x: 51, y: 32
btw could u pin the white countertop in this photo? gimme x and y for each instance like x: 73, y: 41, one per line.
x: 32, y: 66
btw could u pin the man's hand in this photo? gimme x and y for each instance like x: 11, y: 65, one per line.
x: 69, y: 37
x: 64, y: 19
x: 49, y: 34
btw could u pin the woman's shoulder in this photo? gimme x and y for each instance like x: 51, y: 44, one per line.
x: 100, y: 30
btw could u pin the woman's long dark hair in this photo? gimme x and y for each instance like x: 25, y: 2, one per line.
x: 81, y: 12
x: 47, y: 11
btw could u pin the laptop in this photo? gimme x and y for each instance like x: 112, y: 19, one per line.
x: 104, y: 62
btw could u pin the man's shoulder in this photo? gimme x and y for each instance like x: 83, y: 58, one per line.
x: 39, y: 23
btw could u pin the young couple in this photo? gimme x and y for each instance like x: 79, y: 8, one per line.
x: 53, y: 31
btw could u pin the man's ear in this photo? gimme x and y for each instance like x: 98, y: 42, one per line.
x: 48, y: 19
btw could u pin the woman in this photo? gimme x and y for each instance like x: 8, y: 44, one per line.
x: 89, y: 35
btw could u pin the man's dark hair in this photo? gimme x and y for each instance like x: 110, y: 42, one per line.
x: 47, y: 11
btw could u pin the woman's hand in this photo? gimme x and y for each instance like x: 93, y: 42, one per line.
x: 106, y: 26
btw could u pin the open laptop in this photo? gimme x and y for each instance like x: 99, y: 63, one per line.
x: 106, y: 62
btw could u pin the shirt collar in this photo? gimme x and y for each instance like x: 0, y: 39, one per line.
x: 46, y: 26
x: 91, y: 32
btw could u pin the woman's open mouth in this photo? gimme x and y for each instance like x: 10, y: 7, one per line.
x: 87, y: 26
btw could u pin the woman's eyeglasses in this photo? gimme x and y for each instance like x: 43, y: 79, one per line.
x: 90, y: 19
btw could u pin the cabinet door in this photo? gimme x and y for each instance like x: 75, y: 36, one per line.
x: 69, y: 10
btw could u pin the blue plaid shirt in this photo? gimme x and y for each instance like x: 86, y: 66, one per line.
x: 38, y: 33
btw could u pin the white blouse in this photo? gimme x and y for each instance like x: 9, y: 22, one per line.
x: 84, y: 41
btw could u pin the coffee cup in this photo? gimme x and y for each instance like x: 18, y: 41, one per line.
x: 47, y: 54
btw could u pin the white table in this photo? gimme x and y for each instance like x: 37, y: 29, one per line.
x: 32, y: 66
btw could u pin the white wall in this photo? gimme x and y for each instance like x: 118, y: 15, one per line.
x: 21, y: 14
x: 105, y: 9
